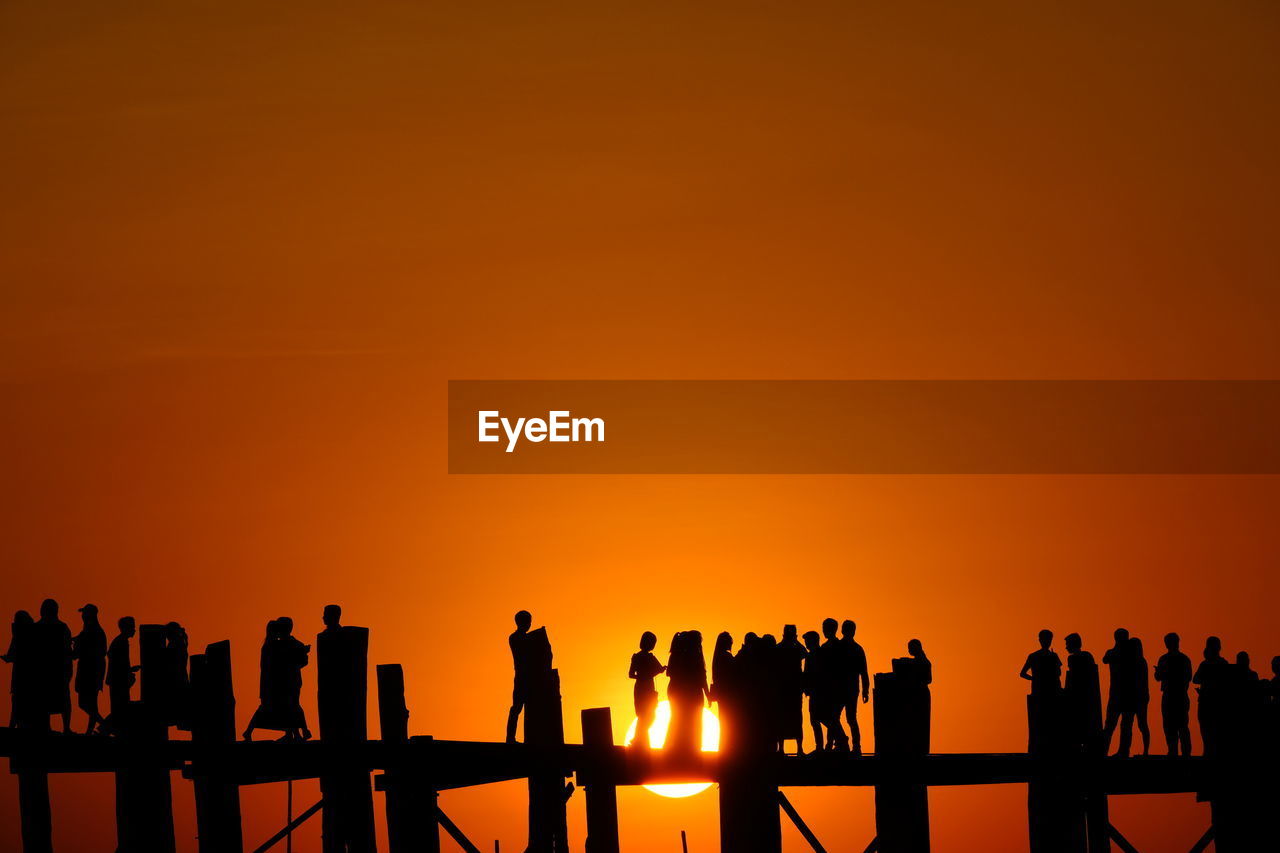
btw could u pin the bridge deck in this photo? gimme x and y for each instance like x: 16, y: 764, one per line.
x: 444, y: 764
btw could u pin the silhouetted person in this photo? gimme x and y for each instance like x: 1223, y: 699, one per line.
x: 121, y: 672
x: 644, y: 668
x: 816, y: 688
x: 1141, y: 693
x: 860, y: 676
x: 89, y: 648
x: 1213, y: 677
x: 1083, y: 695
x: 790, y: 657
x: 280, y: 684
x: 51, y: 658
x: 518, y: 641
x: 1121, y: 692
x: 687, y: 693
x: 175, y: 677
x: 1173, y: 671
x: 22, y: 679
x: 916, y: 666
x: 837, y: 674
x: 1043, y: 668
x: 724, y: 689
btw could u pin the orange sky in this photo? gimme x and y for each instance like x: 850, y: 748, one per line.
x: 243, y: 247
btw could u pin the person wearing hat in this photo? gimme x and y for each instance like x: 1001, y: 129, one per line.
x: 89, y: 648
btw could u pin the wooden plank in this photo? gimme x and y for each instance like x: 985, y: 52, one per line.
x: 800, y: 824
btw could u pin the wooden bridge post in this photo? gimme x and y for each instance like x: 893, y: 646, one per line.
x: 144, y: 794
x: 544, y: 736
x: 342, y: 681
x: 901, y: 709
x: 1056, y: 800
x: 602, y: 796
x: 750, y: 814
x: 213, y: 726
x: 411, y: 800
x: 33, y: 795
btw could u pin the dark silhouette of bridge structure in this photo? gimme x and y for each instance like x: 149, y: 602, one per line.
x: 1067, y: 802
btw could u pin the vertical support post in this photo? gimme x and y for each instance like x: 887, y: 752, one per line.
x: 342, y: 681
x: 411, y: 801
x: 1056, y: 802
x: 901, y: 707
x: 601, y: 793
x: 144, y: 795
x: 544, y: 736
x: 33, y: 806
x: 213, y: 726
x: 750, y: 816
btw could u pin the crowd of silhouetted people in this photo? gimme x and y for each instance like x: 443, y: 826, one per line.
x: 760, y: 689
x: 49, y: 663
x: 1233, y: 705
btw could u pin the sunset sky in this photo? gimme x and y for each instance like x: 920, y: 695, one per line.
x: 244, y: 246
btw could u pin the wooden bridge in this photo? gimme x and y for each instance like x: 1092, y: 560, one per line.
x: 1067, y: 792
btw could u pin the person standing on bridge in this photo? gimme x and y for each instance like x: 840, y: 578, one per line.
x: 857, y: 670
x: 1083, y: 695
x: 1213, y: 680
x: 21, y: 680
x: 51, y: 658
x: 121, y: 673
x: 1043, y: 668
x: 816, y: 687
x: 837, y: 673
x: 1122, y: 692
x: 687, y: 694
x: 520, y: 660
x: 1173, y: 671
x: 790, y: 657
x: 644, y: 668
x: 89, y: 648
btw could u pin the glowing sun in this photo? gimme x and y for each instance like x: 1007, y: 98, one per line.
x: 658, y: 737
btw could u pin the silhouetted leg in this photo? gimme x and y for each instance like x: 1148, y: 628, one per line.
x: 1184, y: 738
x: 1144, y: 728
x: 513, y: 716
x: 855, y: 734
x: 1126, y: 734
x: 1109, y: 727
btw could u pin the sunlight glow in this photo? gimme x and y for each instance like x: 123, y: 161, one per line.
x: 658, y: 737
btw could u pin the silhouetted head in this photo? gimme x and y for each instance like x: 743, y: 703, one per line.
x: 1122, y: 636
x: 829, y: 627
x: 1046, y: 638
x: 286, y: 626
x: 273, y: 628
x: 915, y: 648
x: 127, y: 626
x: 173, y: 631
x: 848, y: 628
x: 1212, y: 647
x: 48, y: 609
x: 1172, y: 641
x: 677, y: 641
x: 89, y: 614
x: 750, y: 639
x: 812, y: 640
x: 768, y: 642
x: 523, y: 620
x: 332, y: 617
x: 1136, y: 645
x: 648, y: 641
x: 1073, y: 642
x: 1275, y: 666
x: 23, y: 618
x: 724, y: 641
x: 1242, y: 659
x: 788, y: 632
